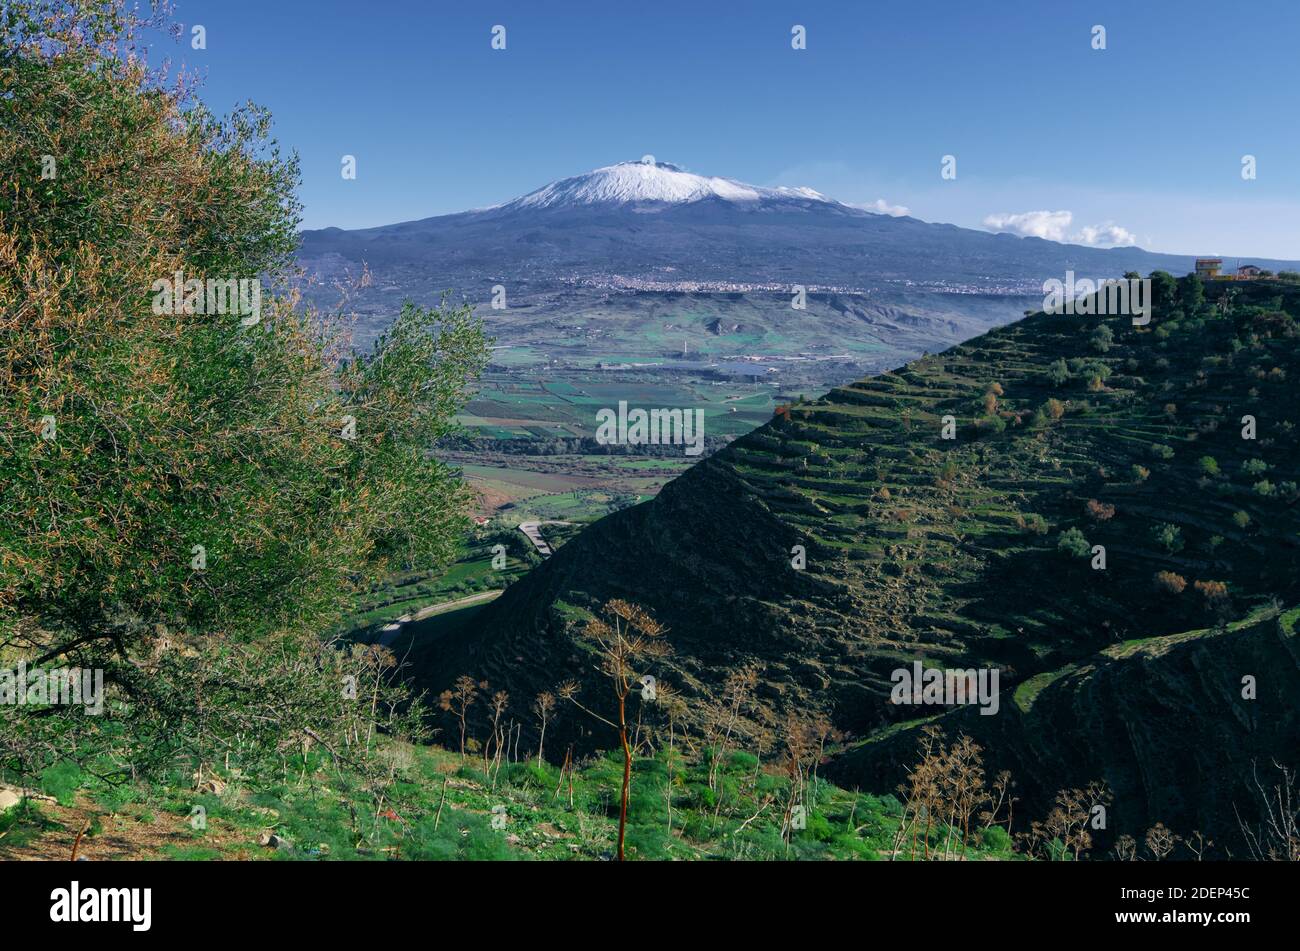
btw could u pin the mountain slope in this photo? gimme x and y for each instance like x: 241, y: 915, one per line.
x: 658, y: 223
x: 1162, y: 720
x: 951, y: 551
x: 584, y: 252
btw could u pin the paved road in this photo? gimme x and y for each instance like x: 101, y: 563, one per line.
x: 532, y: 530
x: 390, y: 631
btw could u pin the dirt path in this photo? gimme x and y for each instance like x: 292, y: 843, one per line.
x: 532, y: 530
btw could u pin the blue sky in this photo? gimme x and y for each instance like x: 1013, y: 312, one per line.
x: 1144, y: 138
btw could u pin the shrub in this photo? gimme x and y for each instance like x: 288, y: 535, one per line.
x: 1170, y: 582
x: 1035, y: 524
x: 1214, y: 592
x: 1208, y: 465
x: 1081, y: 368
x: 1072, y: 542
x: 743, y: 761
x: 996, y: 839
x: 62, y: 780
x: 1099, y: 511
x: 1169, y: 537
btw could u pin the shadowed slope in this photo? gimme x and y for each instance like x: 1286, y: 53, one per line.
x: 1162, y: 720
x: 950, y: 550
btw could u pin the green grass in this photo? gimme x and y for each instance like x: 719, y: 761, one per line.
x: 472, y: 573
x: 521, y: 811
x: 1027, y: 691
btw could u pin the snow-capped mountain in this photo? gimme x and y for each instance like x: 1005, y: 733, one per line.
x: 651, y: 224
x: 653, y: 183
x: 644, y: 231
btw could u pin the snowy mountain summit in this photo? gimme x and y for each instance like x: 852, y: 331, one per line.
x: 653, y: 183
x: 649, y: 225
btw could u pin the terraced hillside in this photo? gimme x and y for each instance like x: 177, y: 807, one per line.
x: 1162, y: 720
x: 978, y: 551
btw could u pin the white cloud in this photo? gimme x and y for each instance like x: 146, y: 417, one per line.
x: 881, y: 207
x: 1108, y: 235
x: 1050, y: 225
x: 885, y: 208
x: 1055, y: 226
